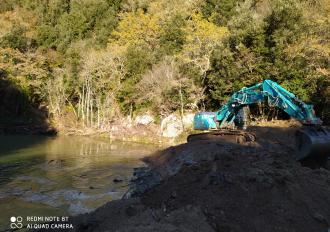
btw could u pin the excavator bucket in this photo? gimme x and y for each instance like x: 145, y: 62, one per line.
x: 313, y: 143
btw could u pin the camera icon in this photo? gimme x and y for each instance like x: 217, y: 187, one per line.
x: 16, y: 222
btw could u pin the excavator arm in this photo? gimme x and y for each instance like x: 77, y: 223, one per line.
x: 275, y: 95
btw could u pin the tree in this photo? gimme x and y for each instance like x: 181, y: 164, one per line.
x: 219, y: 11
x: 16, y: 39
x: 201, y: 40
x: 98, y: 85
x: 173, y: 36
x: 137, y: 29
x: 136, y: 62
x: 164, y: 89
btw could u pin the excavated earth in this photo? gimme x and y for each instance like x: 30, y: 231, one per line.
x: 221, y: 186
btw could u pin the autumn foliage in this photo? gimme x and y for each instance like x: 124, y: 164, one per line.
x: 101, y: 59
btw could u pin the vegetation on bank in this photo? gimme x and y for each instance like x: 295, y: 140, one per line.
x: 94, y: 61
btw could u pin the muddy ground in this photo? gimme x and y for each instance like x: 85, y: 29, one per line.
x: 222, y: 186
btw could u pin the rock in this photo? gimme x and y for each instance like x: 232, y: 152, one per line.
x: 140, y: 171
x: 319, y: 217
x: 174, y: 195
x: 114, y: 128
x: 171, y: 126
x: 117, y: 180
x: 127, y: 122
x: 188, y: 120
x: 144, y: 119
x: 144, y: 179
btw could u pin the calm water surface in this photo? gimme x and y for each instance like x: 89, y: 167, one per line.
x: 42, y: 176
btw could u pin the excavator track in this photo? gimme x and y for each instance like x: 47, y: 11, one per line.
x: 233, y: 136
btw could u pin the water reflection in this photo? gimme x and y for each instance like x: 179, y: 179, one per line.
x: 63, y: 175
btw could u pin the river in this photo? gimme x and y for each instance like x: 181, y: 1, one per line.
x: 63, y: 176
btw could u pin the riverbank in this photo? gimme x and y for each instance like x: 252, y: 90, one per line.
x: 217, y: 186
x: 149, y: 134
x: 145, y: 128
x: 120, y: 130
x: 171, y: 130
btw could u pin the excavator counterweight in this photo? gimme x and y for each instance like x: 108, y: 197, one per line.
x: 313, y: 142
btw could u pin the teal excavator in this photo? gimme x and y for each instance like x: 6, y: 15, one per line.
x: 230, y: 122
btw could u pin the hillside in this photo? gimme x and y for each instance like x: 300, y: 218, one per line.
x: 88, y: 63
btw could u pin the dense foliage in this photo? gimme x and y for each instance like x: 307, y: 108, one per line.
x: 100, y: 59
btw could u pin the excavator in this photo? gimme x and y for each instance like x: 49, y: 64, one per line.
x: 231, y: 121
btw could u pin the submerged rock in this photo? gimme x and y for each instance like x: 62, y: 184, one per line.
x: 117, y: 180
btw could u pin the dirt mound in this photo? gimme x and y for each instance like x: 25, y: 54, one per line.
x: 214, y: 186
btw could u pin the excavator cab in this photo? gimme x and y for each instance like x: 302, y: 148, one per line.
x: 205, y: 121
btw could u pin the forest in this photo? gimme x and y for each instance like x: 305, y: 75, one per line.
x: 92, y: 62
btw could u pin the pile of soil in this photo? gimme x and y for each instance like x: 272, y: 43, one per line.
x: 220, y: 186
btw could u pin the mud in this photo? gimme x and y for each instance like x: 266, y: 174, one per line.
x: 221, y: 186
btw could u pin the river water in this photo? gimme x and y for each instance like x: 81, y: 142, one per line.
x: 63, y: 176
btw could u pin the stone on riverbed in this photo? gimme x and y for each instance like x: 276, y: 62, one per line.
x: 117, y: 180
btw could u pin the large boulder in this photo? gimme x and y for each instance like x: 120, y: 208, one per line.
x: 145, y: 119
x: 171, y: 126
x: 188, y: 120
